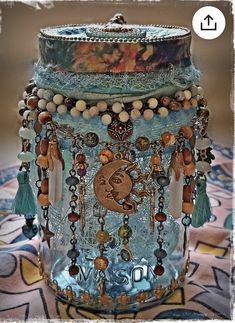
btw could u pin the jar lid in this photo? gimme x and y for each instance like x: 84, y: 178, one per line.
x: 114, y: 47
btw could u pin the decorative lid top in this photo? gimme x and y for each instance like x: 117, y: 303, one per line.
x: 116, y: 30
x: 115, y: 47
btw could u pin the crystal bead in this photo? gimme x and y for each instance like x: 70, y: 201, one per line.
x: 203, y: 143
x: 102, y: 236
x: 186, y: 220
x: 72, y: 181
x: 72, y: 254
x: 160, y: 253
x: 26, y: 156
x: 203, y: 166
x: 101, y: 263
x: 81, y: 172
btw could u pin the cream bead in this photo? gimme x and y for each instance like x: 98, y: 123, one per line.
x: 135, y: 114
x: 123, y: 116
x: 163, y: 112
x: 74, y: 112
x: 94, y: 111
x: 200, y: 91
x: 42, y: 104
x: 80, y: 105
x: 106, y: 119
x: 148, y: 114
x: 152, y: 103
x: 193, y: 103
x: 21, y: 104
x: 40, y: 93
x: 102, y: 106
x: 86, y: 114
x: 26, y: 114
x: 187, y: 95
x: 58, y: 99
x: 25, y: 94
x: 186, y: 105
x: 51, y: 106
x: 137, y: 104
x: 179, y: 96
x: 48, y: 95
x: 62, y: 109
x: 194, y: 90
x: 117, y: 107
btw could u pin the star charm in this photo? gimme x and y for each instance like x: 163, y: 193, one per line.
x: 47, y: 234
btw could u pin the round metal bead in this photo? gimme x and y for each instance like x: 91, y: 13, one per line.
x: 142, y: 143
x: 102, y: 236
x: 160, y: 253
x: 91, y: 139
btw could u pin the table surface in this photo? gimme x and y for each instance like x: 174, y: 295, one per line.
x: 207, y: 290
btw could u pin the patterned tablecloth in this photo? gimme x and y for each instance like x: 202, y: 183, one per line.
x: 208, y: 286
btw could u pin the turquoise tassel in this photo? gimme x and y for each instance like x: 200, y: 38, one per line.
x: 24, y: 202
x: 202, y: 209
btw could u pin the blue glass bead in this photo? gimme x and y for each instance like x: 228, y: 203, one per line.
x: 72, y: 181
x: 186, y: 220
x: 30, y: 231
x: 27, y: 133
x: 160, y: 253
x: 26, y: 156
x: 72, y: 254
x: 125, y: 255
x: 163, y: 180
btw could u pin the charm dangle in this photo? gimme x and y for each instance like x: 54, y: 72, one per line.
x: 114, y: 183
x: 125, y: 233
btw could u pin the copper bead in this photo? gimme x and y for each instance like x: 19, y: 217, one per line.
x: 101, y: 263
x: 44, y: 117
x: 186, y: 131
x: 187, y: 156
x: 167, y: 139
x: 42, y: 161
x: 187, y: 207
x: 43, y: 199
x: 44, y: 186
x: 44, y: 143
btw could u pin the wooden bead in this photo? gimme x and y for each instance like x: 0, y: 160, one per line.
x: 102, y: 236
x: 179, y: 96
x: 44, y: 186
x: 106, y: 155
x: 81, y: 158
x: 187, y: 156
x: 137, y: 104
x: 123, y: 116
x: 44, y: 143
x: 186, y: 105
x: 44, y: 117
x: 117, y: 107
x: 148, y: 114
x: 101, y: 263
x: 165, y: 101
x: 155, y: 160
x: 189, y: 169
x: 58, y: 99
x: 186, y: 132
x: 80, y: 105
x: 73, y: 217
x: 187, y: 193
x: 32, y: 102
x: 167, y: 139
x: 106, y: 119
x: 73, y: 270
x: 43, y: 199
x: 42, y: 161
x: 163, y: 112
x: 102, y: 106
x: 135, y: 114
x: 187, y: 207
x: 193, y: 103
x: 160, y: 217
x: 174, y: 105
x: 159, y: 270
x: 152, y: 103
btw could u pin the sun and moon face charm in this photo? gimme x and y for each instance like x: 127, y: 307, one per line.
x: 115, y: 186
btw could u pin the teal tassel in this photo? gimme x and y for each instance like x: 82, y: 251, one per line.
x: 202, y: 209
x: 24, y: 202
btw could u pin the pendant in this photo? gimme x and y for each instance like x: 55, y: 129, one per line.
x: 114, y: 186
